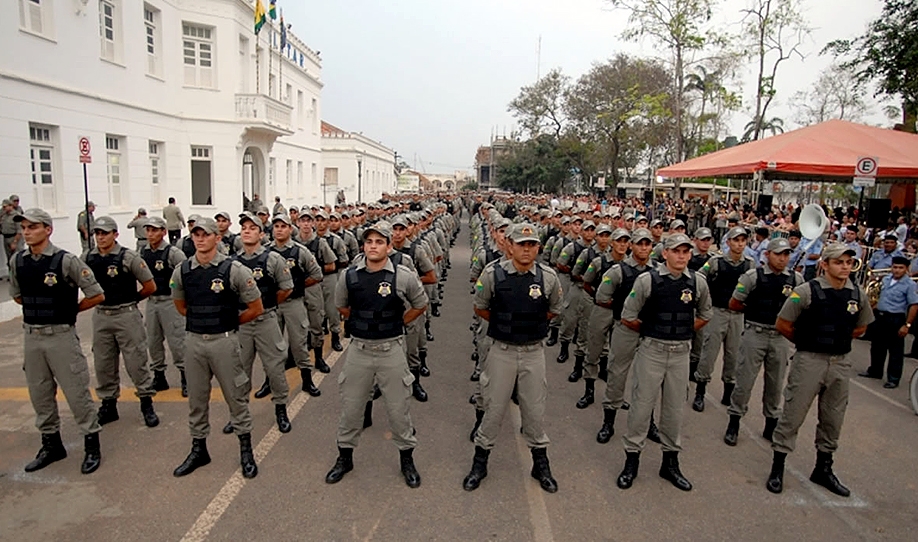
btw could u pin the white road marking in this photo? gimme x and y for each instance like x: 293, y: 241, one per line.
x: 224, y: 498
x: 538, y: 512
x: 877, y: 394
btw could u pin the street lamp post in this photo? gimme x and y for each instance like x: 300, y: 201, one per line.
x: 359, y: 176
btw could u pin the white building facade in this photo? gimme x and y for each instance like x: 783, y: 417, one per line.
x: 356, y: 165
x: 178, y: 98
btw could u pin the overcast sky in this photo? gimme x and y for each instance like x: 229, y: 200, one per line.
x: 432, y: 79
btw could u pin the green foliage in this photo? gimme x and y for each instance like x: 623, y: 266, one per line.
x: 537, y: 165
x: 471, y: 185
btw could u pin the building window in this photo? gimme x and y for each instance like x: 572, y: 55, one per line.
x: 314, y: 116
x: 299, y: 109
x: 113, y: 169
x: 35, y: 16
x: 201, y: 178
x: 41, y: 155
x: 109, y: 30
x: 272, y: 168
x: 331, y: 176
x: 299, y: 180
x: 288, y: 97
x: 313, y: 174
x: 151, y: 18
x: 198, y: 55
x: 289, y: 180
x: 156, y: 180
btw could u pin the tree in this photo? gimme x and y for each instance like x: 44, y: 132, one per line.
x: 774, y: 126
x: 682, y: 28
x: 536, y: 165
x: 887, y: 54
x: 837, y: 94
x: 775, y: 31
x: 539, y: 108
x: 708, y: 102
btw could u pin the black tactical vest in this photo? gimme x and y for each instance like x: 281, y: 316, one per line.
x: 266, y: 285
x: 313, y: 247
x: 376, y: 310
x: 212, y: 305
x: 697, y: 261
x: 158, y: 262
x: 188, y: 247
x: 47, y: 297
x: 588, y: 257
x: 120, y: 285
x: 825, y: 327
x: 629, y: 275
x: 604, y: 265
x: 291, y: 256
x: 578, y: 248
x: 230, y: 241
x: 724, y: 282
x: 770, y: 293
x: 519, y: 307
x: 669, y: 311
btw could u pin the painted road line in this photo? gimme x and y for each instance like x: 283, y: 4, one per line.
x: 538, y: 512
x: 230, y: 490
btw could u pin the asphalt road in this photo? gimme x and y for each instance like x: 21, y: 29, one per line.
x: 135, y: 496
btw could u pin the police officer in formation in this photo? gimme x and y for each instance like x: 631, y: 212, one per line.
x: 330, y: 282
x: 315, y: 294
x: 186, y: 243
x: 702, y: 252
x: 573, y: 301
x: 46, y: 281
x: 117, y: 325
x: 377, y: 299
x: 163, y: 322
x: 759, y: 295
x: 208, y: 289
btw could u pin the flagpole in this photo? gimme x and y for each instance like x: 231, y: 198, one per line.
x: 257, y: 65
x: 280, y: 66
x: 270, y: 52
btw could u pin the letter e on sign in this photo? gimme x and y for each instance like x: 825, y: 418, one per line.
x: 866, y: 167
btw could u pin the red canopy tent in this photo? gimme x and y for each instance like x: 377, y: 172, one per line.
x: 823, y: 152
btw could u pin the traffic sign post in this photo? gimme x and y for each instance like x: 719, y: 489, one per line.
x: 865, y: 176
x: 86, y: 158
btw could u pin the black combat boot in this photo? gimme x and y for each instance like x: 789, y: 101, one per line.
x: 184, y: 385
x: 577, y: 373
x: 368, y: 415
x: 246, y: 457
x: 552, y: 337
x: 653, y: 432
x: 698, y: 403
x: 412, y: 478
x: 479, y: 415
x: 630, y: 472
x: 775, y: 482
x: 283, y: 422
x: 264, y: 390
x: 823, y: 475
x: 541, y: 470
x: 429, y: 335
x: 108, y: 412
x: 479, y: 469
x: 197, y: 458
x: 769, y: 431
x: 435, y: 310
x: 228, y: 428
x: 564, y: 354
x: 336, y: 343
x: 93, y: 457
x: 692, y: 367
x: 416, y: 389
x: 159, y: 381
x: 669, y: 470
x: 308, y: 386
x: 52, y: 449
x: 587, y: 399
x: 604, y: 368
x: 476, y: 373
x: 320, y: 363
x: 728, y: 391
x: 732, y: 430
x: 608, y: 426
x: 149, y: 415
x: 343, y: 465
x: 425, y: 371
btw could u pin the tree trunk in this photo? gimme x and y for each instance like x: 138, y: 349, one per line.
x: 680, y: 81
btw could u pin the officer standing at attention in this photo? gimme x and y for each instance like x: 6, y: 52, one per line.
x: 208, y: 289
x: 315, y: 295
x: 517, y: 297
x: 821, y: 317
x: 46, y: 281
x: 85, y: 225
x: 722, y: 274
x: 377, y: 299
x: 666, y: 305
x: 12, y: 236
x: 231, y: 243
x: 760, y: 294
x: 263, y: 335
x: 187, y: 243
x: 895, y: 313
x: 163, y: 322
x: 700, y: 255
x: 330, y: 282
x: 138, y: 224
x: 117, y: 325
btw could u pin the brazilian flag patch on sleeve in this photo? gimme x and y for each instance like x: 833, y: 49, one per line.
x: 479, y: 286
x: 795, y: 297
x: 740, y: 287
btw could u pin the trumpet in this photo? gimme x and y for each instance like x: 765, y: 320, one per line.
x: 875, y: 284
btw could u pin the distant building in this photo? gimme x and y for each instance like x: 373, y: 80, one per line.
x: 349, y: 157
x: 486, y: 161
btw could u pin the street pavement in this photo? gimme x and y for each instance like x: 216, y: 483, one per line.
x: 134, y: 495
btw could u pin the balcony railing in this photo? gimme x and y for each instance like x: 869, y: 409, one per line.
x: 265, y: 112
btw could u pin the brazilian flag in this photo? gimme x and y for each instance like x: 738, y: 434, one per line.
x: 272, y: 10
x: 259, y: 16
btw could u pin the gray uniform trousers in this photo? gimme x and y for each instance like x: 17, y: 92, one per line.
x: 120, y: 331
x: 814, y: 375
x: 382, y: 362
x: 208, y: 356
x: 565, y: 279
x: 329, y: 283
x: 510, y: 364
x: 573, y: 314
x: 760, y: 344
x: 658, y: 363
x: 164, y: 323
x: 625, y: 342
x: 53, y: 357
x: 263, y: 336
x: 725, y: 328
x: 697, y: 346
x: 600, y: 327
x: 315, y: 310
x: 292, y: 318
x: 414, y: 333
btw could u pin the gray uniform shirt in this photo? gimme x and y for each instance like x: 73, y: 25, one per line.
x: 139, y: 225
x: 484, y: 288
x: 612, y: 279
x: 407, y: 286
x: 276, y: 267
x: 240, y: 278
x: 326, y: 254
x: 641, y: 291
x: 132, y: 263
x: 710, y: 268
x: 174, y: 255
x: 306, y: 260
x: 422, y: 261
x: 173, y: 216
x: 74, y: 271
x: 801, y: 298
x: 338, y: 246
x: 8, y: 226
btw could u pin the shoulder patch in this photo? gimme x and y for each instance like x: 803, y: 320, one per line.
x: 632, y: 294
x: 740, y: 287
x: 479, y: 286
x: 606, y: 279
x: 86, y: 272
x: 706, y: 267
x: 795, y: 297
